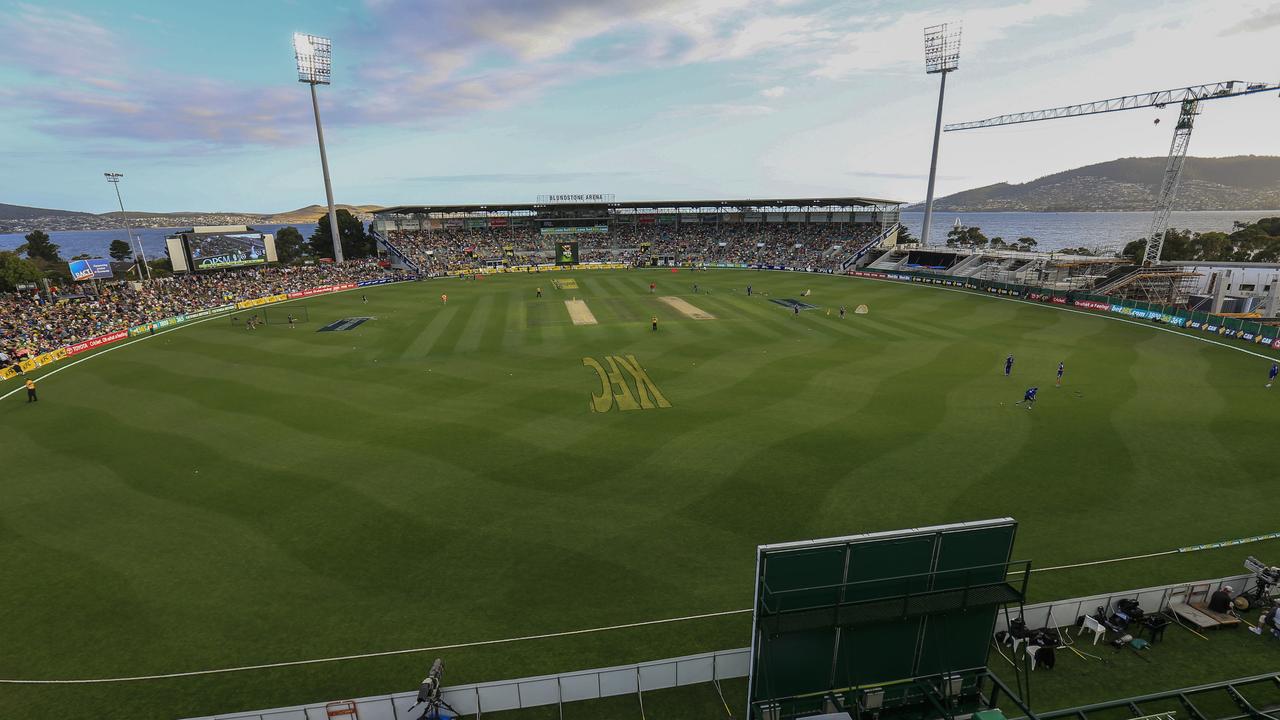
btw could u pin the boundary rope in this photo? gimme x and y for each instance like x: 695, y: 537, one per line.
x: 564, y: 633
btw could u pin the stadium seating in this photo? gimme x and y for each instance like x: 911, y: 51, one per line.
x: 29, y: 325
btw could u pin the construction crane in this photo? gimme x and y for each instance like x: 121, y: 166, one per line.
x: 1189, y: 98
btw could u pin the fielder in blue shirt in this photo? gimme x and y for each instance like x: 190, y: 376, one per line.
x: 1275, y: 370
x: 1062, y: 367
x: 1008, y: 365
x: 1029, y: 397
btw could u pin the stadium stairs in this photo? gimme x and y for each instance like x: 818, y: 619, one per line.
x: 852, y: 260
x: 397, y: 257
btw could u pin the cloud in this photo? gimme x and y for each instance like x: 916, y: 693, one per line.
x: 1259, y: 21
x: 896, y: 41
x: 774, y: 92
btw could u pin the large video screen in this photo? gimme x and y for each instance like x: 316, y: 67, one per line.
x: 227, y: 250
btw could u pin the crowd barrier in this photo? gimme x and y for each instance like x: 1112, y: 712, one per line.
x: 102, y: 340
x: 1240, y: 329
x: 637, y: 679
x: 529, y: 692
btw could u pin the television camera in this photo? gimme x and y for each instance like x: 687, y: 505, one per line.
x: 1266, y: 577
x: 429, y: 694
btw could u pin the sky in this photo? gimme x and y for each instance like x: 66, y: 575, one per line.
x: 482, y: 101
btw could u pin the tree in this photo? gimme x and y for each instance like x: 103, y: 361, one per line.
x: 15, y: 271
x: 355, y: 243
x: 82, y: 256
x: 289, y: 244
x: 1076, y: 251
x: 904, y: 235
x: 966, y: 237
x: 1025, y: 244
x: 40, y: 247
x: 119, y: 250
x: 997, y: 243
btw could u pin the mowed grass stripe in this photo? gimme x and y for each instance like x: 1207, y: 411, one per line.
x: 422, y: 345
x: 477, y: 324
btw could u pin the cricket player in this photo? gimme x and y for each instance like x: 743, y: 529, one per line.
x: 1008, y: 365
x: 1062, y: 367
x: 654, y: 320
x: 841, y: 312
x: 1029, y: 397
x: 31, y: 391
x: 539, y: 292
x: 444, y: 299
x: 1271, y: 376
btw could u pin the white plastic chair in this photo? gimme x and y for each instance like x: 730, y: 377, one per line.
x: 1091, y: 623
x: 1032, y: 651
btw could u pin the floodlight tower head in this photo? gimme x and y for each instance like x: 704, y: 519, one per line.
x: 315, y: 58
x: 942, y: 48
x: 113, y: 177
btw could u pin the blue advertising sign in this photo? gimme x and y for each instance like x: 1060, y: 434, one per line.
x: 96, y: 269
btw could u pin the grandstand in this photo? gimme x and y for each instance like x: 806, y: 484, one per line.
x: 822, y: 234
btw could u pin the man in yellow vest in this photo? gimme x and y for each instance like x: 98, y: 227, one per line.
x: 31, y: 390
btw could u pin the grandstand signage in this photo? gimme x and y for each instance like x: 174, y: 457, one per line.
x: 309, y: 293
x: 93, y: 269
x: 617, y: 375
x: 97, y: 342
x: 577, y: 198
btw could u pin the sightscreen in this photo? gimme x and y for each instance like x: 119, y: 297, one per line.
x: 227, y: 250
x: 865, y: 610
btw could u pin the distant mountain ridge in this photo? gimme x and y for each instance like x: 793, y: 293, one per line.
x: 1243, y: 182
x: 21, y: 219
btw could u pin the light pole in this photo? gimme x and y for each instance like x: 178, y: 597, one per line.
x: 114, y: 179
x: 941, y: 56
x: 315, y: 58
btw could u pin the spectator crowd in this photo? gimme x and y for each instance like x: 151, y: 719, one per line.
x: 820, y: 246
x: 31, y: 324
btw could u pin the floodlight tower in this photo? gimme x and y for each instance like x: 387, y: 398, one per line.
x: 941, y: 56
x: 114, y: 179
x: 315, y: 57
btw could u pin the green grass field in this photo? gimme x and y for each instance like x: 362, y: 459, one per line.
x: 216, y: 497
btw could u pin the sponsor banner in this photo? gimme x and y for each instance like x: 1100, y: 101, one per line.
x: 323, y: 289
x: 258, y: 302
x: 93, y: 269
x: 1276, y: 345
x: 1093, y: 304
x: 379, y: 281
x: 198, y: 314
x: 41, y: 360
x: 137, y: 330
x: 97, y: 342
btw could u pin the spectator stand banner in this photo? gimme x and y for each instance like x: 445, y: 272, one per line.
x: 258, y: 302
x: 95, y: 343
x: 93, y: 269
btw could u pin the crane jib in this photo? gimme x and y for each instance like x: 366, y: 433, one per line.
x: 1160, y: 98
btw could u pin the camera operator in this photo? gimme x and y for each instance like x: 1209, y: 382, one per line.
x: 1268, y: 623
x: 1220, y: 601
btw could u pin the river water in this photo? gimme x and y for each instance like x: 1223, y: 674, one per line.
x: 1052, y: 231
x: 95, y: 242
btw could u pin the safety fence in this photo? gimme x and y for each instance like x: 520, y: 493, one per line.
x: 540, y: 691
x: 1062, y: 613
x: 1242, y: 329
x: 639, y: 678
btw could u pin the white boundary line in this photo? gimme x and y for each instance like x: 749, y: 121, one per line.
x: 1051, y: 306
x: 541, y: 636
x: 383, y: 653
x: 566, y: 633
x: 117, y: 346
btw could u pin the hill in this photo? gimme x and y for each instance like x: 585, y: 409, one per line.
x: 311, y: 212
x: 23, y: 212
x: 1246, y: 182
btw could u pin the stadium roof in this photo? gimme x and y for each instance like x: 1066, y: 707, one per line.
x: 646, y: 205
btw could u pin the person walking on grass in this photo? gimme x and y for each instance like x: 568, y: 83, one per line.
x: 654, y: 320
x: 1062, y: 368
x: 1271, y: 376
x: 31, y: 391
